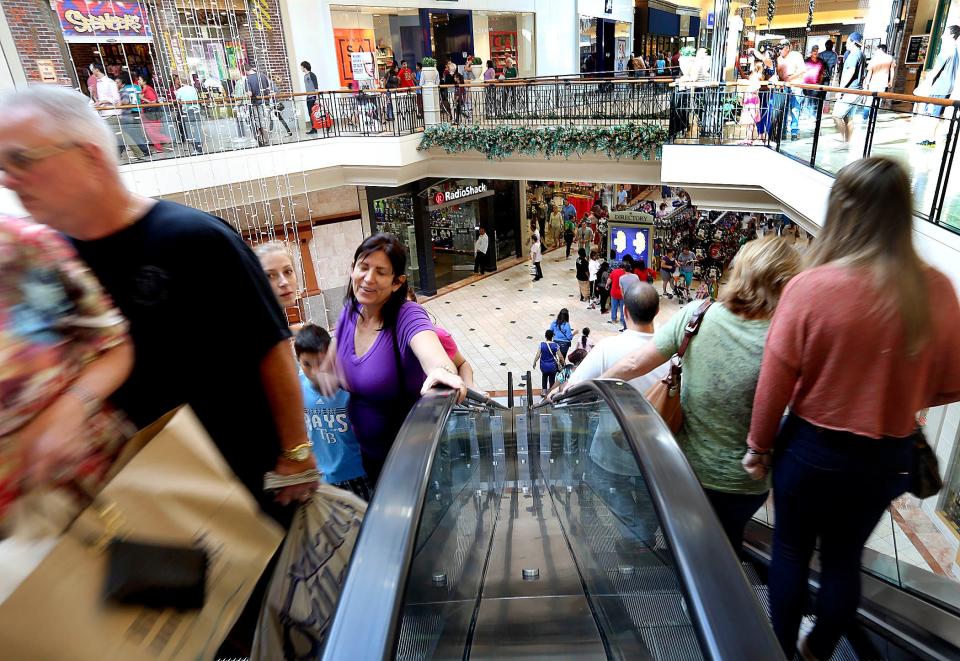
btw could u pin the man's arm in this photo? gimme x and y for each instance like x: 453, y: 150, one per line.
x: 278, y: 374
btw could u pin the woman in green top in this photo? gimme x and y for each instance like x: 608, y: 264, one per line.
x: 720, y: 372
x: 511, y: 69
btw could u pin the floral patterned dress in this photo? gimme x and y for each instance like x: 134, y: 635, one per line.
x: 55, y: 319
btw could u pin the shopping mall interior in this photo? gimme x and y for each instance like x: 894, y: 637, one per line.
x: 518, y: 159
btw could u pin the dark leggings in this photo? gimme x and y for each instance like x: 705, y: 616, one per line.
x: 734, y: 510
x: 835, y: 486
x: 547, y: 380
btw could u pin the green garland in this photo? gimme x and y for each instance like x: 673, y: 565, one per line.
x: 633, y: 141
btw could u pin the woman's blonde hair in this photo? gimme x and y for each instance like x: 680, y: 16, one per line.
x: 270, y: 247
x: 869, y: 226
x: 761, y: 270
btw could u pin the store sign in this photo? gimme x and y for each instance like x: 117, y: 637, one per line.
x: 362, y: 67
x: 93, y: 22
x: 48, y: 72
x: 632, y: 217
x: 459, y: 195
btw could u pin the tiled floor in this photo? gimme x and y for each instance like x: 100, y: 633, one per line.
x: 499, y: 321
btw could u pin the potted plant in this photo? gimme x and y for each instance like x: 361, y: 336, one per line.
x: 687, y: 58
x: 430, y: 75
x: 477, y: 66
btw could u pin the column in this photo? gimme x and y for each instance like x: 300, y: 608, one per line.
x: 718, y: 49
x: 424, y: 256
x: 308, y: 32
x: 557, y: 37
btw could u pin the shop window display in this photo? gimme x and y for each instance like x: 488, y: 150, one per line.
x: 395, y: 215
x: 452, y: 231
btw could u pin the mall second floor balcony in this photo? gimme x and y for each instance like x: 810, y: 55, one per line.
x: 778, y: 141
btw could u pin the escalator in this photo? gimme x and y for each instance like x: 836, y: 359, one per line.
x: 575, y: 530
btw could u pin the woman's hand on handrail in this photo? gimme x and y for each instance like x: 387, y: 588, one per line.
x: 440, y: 376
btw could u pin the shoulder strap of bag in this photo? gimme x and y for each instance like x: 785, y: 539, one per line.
x: 693, y: 327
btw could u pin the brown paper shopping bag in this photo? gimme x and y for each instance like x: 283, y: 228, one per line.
x: 176, y: 490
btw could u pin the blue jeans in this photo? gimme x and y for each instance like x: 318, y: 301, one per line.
x: 835, y: 485
x: 796, y: 104
x: 616, y: 308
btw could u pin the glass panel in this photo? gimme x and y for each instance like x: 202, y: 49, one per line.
x: 614, y: 533
x: 452, y: 542
x: 800, y: 123
x: 898, y: 135
x: 833, y: 151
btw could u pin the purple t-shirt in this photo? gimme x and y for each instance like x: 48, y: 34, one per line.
x: 378, y: 403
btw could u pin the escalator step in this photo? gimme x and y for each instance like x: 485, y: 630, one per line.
x: 675, y: 643
x: 656, y: 610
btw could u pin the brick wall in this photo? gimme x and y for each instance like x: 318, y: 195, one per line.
x: 36, y: 34
x: 903, y: 80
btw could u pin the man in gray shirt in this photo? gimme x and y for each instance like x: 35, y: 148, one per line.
x: 309, y: 85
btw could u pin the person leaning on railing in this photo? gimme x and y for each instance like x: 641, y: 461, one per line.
x: 388, y: 352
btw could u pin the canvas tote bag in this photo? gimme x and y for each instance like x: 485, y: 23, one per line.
x: 176, y: 490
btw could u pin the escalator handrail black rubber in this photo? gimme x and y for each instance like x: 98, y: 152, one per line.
x: 729, y: 620
x: 367, y: 616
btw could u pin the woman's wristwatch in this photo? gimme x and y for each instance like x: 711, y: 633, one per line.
x: 299, y: 453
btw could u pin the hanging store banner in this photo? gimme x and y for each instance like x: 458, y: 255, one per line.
x: 88, y: 21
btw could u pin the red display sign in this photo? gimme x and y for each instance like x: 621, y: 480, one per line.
x: 439, y: 198
x: 90, y: 21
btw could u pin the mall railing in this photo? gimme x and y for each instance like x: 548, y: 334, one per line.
x: 219, y: 123
x: 804, y: 122
x: 561, y: 102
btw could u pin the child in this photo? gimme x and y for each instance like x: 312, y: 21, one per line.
x: 329, y: 428
x: 584, y: 342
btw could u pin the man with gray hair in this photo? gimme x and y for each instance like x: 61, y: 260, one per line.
x: 176, y: 273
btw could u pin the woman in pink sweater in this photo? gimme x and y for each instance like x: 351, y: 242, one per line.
x: 854, y: 369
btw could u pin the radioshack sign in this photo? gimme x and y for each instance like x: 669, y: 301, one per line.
x: 459, y: 195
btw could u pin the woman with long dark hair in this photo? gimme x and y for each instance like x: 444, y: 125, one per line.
x: 387, y: 350
x: 854, y: 371
x: 562, y: 332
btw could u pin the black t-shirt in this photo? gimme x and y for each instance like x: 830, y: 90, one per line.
x: 583, y: 269
x: 202, y: 317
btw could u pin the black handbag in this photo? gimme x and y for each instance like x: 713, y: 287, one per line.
x: 924, y: 470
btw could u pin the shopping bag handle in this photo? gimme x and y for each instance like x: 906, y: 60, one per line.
x: 275, y: 481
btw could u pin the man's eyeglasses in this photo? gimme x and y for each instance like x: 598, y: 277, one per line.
x: 19, y: 161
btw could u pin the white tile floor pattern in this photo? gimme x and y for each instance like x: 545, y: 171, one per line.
x: 499, y: 321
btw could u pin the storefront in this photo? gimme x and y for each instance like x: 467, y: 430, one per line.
x: 604, y: 44
x: 662, y: 27
x: 438, y: 222
x: 395, y: 34
x: 200, y: 40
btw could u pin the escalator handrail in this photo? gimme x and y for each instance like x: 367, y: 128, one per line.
x: 368, y: 613
x: 729, y: 620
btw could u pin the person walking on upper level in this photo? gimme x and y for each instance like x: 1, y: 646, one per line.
x: 942, y: 80
x: 310, y: 84
x: 829, y: 57
x: 720, y: 371
x: 480, y: 247
x: 854, y: 372
x: 854, y: 70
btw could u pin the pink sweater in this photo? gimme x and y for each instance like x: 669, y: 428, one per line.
x: 835, y: 353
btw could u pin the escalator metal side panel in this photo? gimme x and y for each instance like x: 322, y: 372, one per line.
x: 365, y: 623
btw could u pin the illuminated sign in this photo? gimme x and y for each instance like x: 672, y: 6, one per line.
x: 111, y: 20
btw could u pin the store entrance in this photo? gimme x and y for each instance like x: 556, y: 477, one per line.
x: 451, y: 36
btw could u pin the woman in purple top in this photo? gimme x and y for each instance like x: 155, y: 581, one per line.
x: 387, y: 351
x: 490, y: 73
